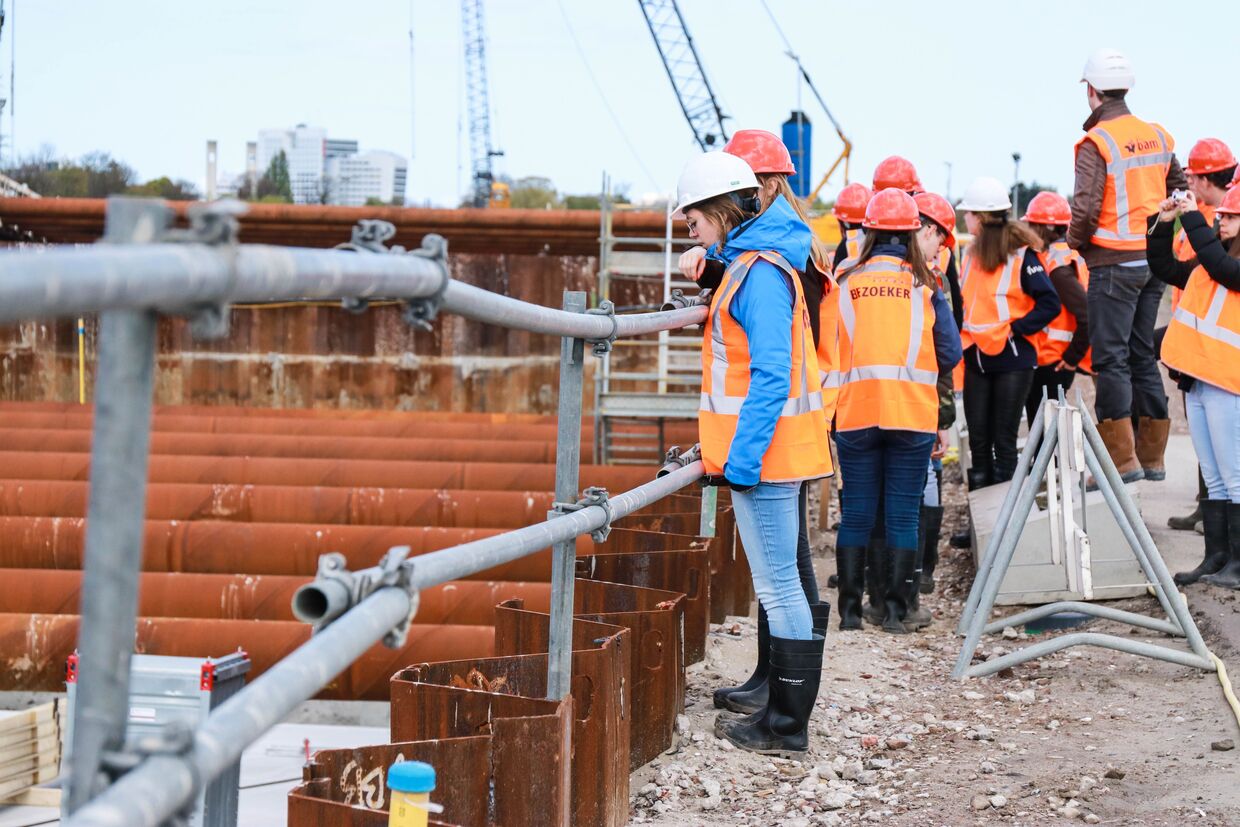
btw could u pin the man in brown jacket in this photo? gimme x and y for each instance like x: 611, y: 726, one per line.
x: 1124, y: 167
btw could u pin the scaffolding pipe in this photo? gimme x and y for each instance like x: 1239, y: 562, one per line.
x: 162, y: 784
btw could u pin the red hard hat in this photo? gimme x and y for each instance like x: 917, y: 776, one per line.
x: 762, y: 150
x: 1209, y: 155
x: 1049, y: 208
x: 892, y: 209
x: 896, y: 172
x: 939, y: 210
x: 1235, y: 178
x: 851, y: 202
x: 1231, y: 203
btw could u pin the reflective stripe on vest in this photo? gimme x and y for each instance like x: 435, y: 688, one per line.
x: 1131, y: 208
x: 990, y: 330
x: 906, y: 397
x: 1203, y: 338
x: 798, y: 448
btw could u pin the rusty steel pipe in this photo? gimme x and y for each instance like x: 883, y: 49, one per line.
x: 301, y: 413
x: 482, y: 476
x: 34, y: 648
x: 254, y: 597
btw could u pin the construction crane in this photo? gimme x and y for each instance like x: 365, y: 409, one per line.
x: 486, y: 191
x: 684, y: 69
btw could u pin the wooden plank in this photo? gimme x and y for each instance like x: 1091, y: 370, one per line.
x: 27, y: 718
x: 48, y: 730
x: 33, y: 797
x: 39, y: 775
x: 27, y: 763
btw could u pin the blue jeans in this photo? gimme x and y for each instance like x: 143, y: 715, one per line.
x: 1123, y: 306
x: 766, y: 518
x: 890, y: 464
x: 1214, y: 422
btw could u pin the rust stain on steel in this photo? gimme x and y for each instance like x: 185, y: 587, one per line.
x: 348, y: 787
x: 449, y: 508
x: 273, y: 445
x: 33, y: 649
x: 481, y: 476
x: 600, y: 730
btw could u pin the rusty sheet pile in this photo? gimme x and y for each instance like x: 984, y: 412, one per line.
x: 241, y: 504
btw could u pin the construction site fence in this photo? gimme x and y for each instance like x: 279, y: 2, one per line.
x: 143, y: 268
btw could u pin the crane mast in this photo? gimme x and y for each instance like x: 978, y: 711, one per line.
x: 684, y: 69
x: 477, y: 101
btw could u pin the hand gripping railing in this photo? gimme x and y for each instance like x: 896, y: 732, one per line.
x: 143, y: 268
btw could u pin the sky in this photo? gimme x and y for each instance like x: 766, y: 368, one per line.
x: 577, y: 88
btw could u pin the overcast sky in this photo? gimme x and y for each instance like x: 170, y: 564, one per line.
x: 150, y: 81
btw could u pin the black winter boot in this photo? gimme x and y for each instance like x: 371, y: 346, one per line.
x: 1229, y: 575
x: 758, y: 678
x: 1189, y: 522
x: 752, y: 700
x: 901, y: 584
x: 1214, y: 518
x: 916, y: 617
x: 876, y: 578
x: 933, y: 515
x: 850, y: 566
x: 782, y: 728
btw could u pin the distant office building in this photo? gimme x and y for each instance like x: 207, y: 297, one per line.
x: 375, y: 175
x: 331, y: 170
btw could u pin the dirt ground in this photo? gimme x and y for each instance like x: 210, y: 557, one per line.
x: 1085, y: 736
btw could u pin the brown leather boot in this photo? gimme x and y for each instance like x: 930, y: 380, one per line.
x: 1151, y: 444
x: 1118, y: 437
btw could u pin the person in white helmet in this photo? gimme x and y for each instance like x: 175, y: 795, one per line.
x: 1007, y: 300
x: 1125, y: 167
x: 761, y: 422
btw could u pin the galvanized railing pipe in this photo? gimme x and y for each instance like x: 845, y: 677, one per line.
x: 162, y: 784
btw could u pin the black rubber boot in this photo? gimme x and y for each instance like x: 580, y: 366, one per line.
x: 850, y: 566
x: 915, y: 617
x: 755, y: 699
x: 901, y: 584
x: 758, y: 678
x: 933, y: 515
x: 1229, y: 576
x: 782, y: 728
x: 875, y: 580
x: 977, y: 478
x: 1189, y: 522
x: 1214, y: 518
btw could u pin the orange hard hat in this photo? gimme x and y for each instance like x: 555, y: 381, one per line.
x: 896, y: 172
x: 939, y: 210
x: 762, y: 150
x: 1231, y: 203
x: 851, y: 202
x: 1049, y: 208
x: 892, y: 209
x: 1235, y: 178
x: 1209, y: 155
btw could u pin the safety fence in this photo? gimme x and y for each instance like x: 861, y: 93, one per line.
x: 144, y: 268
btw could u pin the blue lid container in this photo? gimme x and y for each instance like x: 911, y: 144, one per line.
x: 411, y: 777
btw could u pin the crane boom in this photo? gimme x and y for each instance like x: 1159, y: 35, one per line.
x: 477, y: 101
x: 684, y: 69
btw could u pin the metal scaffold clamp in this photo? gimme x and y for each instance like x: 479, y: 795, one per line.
x: 590, y: 497
x: 335, y: 590
x: 174, y: 738
x: 675, y: 459
x: 679, y: 301
x: 420, y: 313
x: 214, y: 224
x: 602, y: 345
x: 369, y: 235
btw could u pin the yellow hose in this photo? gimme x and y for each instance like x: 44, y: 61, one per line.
x: 1220, y: 669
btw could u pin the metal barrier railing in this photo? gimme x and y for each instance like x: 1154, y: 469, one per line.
x: 143, y: 268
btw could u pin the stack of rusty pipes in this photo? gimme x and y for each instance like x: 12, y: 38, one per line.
x: 147, y: 268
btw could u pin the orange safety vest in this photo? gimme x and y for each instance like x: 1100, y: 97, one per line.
x: 828, y: 345
x: 1138, y: 156
x: 1184, y: 251
x: 798, y: 449
x: 853, y: 239
x: 888, y: 374
x: 1203, y: 337
x: 991, y: 301
x: 1052, y: 340
x: 940, y: 270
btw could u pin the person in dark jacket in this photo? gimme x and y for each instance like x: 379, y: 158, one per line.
x: 1002, y: 312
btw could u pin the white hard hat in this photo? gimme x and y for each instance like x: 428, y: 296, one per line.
x: 986, y: 195
x: 711, y: 174
x: 1107, y: 70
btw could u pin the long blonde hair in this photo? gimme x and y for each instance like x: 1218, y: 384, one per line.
x: 817, y: 249
x: 916, y: 260
x: 999, y: 237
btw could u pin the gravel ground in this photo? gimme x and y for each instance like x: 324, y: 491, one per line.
x: 1085, y: 736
